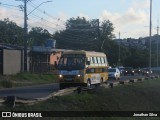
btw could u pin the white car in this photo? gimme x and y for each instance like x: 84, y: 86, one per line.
x: 114, y: 73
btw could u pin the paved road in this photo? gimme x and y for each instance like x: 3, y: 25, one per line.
x: 40, y: 91
x: 31, y: 92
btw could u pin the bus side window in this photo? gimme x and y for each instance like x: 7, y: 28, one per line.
x: 90, y: 70
x: 105, y: 70
x: 99, y: 61
x: 88, y: 58
x: 104, y: 59
x: 87, y: 70
x: 93, y: 60
x: 99, y: 70
x: 96, y: 62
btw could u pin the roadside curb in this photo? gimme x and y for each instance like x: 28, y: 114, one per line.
x: 129, y: 81
x: 13, y: 100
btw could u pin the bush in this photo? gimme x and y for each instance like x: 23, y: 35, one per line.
x: 6, y: 83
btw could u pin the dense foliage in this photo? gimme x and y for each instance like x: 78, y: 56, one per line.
x: 38, y: 36
x: 10, y: 33
x: 81, y: 34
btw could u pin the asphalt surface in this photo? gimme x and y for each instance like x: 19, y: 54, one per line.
x: 30, y: 92
x: 39, y: 91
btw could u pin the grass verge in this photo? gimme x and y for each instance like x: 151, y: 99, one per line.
x: 25, y: 79
x: 140, y: 96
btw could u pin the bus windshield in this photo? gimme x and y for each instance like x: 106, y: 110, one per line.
x: 71, y: 62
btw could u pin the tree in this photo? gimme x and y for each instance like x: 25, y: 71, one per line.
x: 38, y: 36
x: 10, y: 33
x: 81, y: 34
x: 106, y: 34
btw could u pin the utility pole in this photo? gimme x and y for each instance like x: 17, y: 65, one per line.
x: 119, y: 51
x: 157, y: 40
x: 25, y: 43
x: 101, y: 49
x: 98, y: 31
x: 158, y: 26
x: 150, y: 34
x: 25, y: 35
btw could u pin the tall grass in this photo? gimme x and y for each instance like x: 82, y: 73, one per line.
x: 24, y: 79
x: 6, y: 83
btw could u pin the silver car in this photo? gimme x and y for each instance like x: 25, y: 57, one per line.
x: 114, y: 73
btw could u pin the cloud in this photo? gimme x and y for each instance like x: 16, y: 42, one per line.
x: 137, y: 4
x: 125, y: 21
x: 131, y: 21
x: 50, y: 23
x: 13, y: 14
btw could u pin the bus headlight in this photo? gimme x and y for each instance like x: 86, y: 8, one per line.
x: 133, y: 71
x: 78, y: 75
x: 60, y: 76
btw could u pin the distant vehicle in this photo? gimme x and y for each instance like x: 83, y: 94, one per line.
x: 114, y: 73
x: 138, y: 70
x: 82, y: 68
x: 146, y: 71
x: 128, y: 70
x: 121, y: 69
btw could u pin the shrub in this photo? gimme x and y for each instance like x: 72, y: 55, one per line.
x: 6, y: 83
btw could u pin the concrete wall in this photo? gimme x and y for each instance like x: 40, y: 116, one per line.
x: 11, y: 61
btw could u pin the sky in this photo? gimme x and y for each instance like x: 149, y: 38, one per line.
x: 129, y: 17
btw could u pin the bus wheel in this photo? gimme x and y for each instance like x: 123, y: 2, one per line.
x: 89, y: 83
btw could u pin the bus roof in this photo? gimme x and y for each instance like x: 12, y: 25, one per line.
x: 87, y: 53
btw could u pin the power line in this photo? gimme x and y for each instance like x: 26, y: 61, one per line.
x: 56, y: 29
x: 81, y: 30
x: 44, y: 12
x: 69, y: 34
x: 8, y: 5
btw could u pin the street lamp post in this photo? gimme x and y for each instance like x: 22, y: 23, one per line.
x: 25, y: 35
x: 26, y: 30
x: 119, y: 51
x: 157, y: 41
x: 150, y: 34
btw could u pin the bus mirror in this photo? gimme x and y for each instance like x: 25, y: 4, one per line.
x: 88, y: 63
